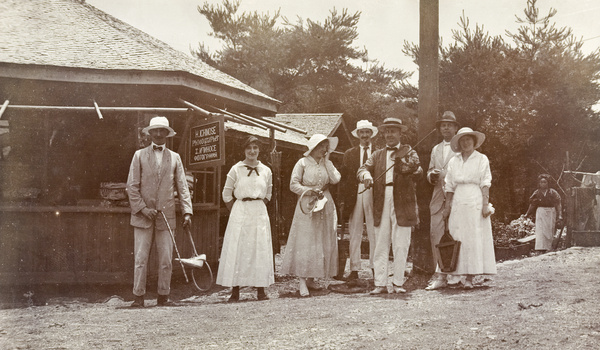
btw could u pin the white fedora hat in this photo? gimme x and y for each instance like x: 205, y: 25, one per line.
x: 364, y: 124
x: 159, y: 123
x: 318, y: 138
x: 479, y: 136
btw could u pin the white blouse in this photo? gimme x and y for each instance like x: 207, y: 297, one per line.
x: 243, y: 183
x: 308, y: 173
x: 475, y: 170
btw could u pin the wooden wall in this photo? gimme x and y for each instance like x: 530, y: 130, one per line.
x: 84, y: 245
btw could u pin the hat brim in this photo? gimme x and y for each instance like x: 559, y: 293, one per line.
x: 437, y: 123
x: 150, y: 127
x: 454, y: 143
x: 372, y: 128
x: 402, y: 128
x: 333, y: 142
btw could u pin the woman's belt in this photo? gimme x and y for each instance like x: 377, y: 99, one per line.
x: 246, y: 199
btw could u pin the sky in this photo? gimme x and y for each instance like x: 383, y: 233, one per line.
x: 383, y: 28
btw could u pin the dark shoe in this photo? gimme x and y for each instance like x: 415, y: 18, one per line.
x: 235, y: 295
x: 261, y: 295
x: 163, y: 300
x: 352, y: 276
x: 138, y: 301
x: 339, y: 278
x: 312, y: 285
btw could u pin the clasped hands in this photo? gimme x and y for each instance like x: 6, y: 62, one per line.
x: 152, y: 213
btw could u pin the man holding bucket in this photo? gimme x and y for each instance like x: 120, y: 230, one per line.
x: 394, y: 202
x: 438, y: 164
x: 154, y: 174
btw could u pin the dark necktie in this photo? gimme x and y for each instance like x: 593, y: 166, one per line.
x: 158, y: 148
x: 251, y: 169
x: 391, y: 148
x: 365, y: 154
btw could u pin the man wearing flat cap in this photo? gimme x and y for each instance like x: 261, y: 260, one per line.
x: 438, y: 164
x: 356, y: 200
x: 155, y: 173
x: 394, y: 202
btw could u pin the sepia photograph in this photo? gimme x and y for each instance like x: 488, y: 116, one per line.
x: 318, y: 174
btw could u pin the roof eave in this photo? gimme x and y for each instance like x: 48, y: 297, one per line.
x: 142, y: 77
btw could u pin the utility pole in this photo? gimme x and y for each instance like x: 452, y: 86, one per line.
x: 427, y: 114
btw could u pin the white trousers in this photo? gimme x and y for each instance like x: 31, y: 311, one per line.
x: 388, y: 232
x: 164, y: 250
x: 362, y: 213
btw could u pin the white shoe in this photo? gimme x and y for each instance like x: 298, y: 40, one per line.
x: 398, y: 289
x: 302, y: 288
x: 379, y: 290
x: 437, y: 284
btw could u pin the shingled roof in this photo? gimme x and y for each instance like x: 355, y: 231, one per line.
x: 324, y: 123
x: 73, y: 34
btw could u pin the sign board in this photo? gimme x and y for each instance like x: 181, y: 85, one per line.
x: 207, y: 144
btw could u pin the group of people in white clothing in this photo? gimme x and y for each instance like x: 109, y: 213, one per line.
x: 377, y: 194
x: 377, y: 188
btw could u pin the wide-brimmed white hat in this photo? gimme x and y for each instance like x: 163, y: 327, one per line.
x: 392, y: 123
x: 159, y: 123
x: 479, y: 136
x: 364, y: 124
x: 318, y: 138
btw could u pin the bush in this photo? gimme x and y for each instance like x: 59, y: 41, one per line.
x: 507, y: 235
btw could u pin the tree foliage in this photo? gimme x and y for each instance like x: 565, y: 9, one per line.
x: 310, y: 66
x: 532, y: 97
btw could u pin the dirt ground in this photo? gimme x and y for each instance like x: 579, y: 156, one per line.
x: 549, y: 301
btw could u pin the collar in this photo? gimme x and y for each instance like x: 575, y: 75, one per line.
x: 163, y: 146
x: 395, y: 146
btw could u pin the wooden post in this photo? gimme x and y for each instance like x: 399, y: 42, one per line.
x: 569, y: 202
x: 427, y: 113
x: 276, y: 193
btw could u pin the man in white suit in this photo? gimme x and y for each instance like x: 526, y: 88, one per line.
x: 440, y: 156
x: 155, y: 173
x: 356, y: 201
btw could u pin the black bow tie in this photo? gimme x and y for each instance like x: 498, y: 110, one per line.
x: 391, y: 148
x: 158, y: 148
x: 251, y: 169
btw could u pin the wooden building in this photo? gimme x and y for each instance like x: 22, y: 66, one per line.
x: 76, y: 87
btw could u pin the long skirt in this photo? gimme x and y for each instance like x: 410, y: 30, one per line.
x: 247, y: 253
x: 311, y: 249
x: 545, y: 227
x: 467, y: 225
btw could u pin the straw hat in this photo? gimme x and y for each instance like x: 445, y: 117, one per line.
x: 446, y: 117
x: 364, y: 124
x: 318, y: 138
x: 392, y: 123
x: 159, y: 123
x: 479, y: 136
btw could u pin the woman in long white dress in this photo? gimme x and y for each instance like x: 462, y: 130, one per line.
x: 468, y: 181
x: 311, y: 249
x: 247, y: 252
